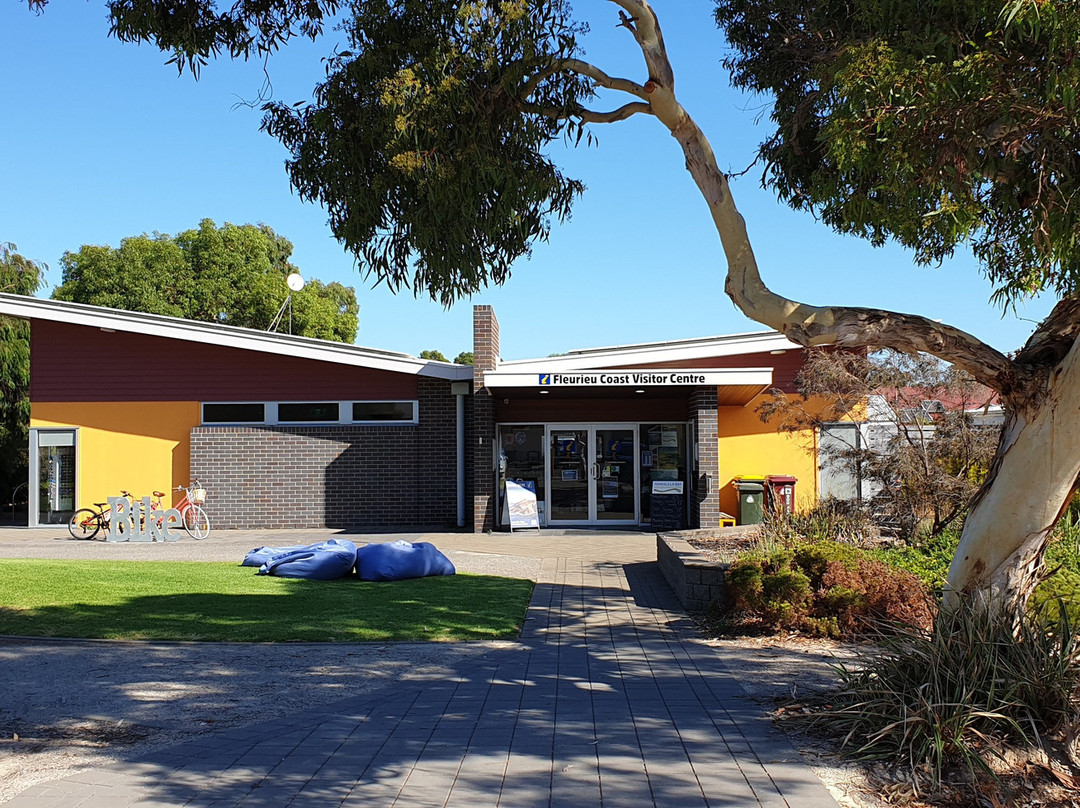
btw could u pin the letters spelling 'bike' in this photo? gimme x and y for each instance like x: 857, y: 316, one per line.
x: 86, y: 523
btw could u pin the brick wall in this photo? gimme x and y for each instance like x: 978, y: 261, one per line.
x: 333, y: 476
x: 483, y: 462
x: 705, y: 498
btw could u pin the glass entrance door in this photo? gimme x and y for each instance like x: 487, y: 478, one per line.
x: 593, y: 474
x: 571, y: 475
x: 52, y: 468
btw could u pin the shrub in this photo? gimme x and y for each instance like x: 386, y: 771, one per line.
x: 982, y: 677
x: 824, y: 588
x: 830, y: 520
x: 769, y: 585
x: 1064, y: 547
x: 928, y: 559
x: 1060, y: 592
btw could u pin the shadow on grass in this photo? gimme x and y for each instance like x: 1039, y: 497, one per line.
x: 451, y: 608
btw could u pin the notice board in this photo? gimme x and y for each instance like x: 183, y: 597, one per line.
x: 521, y: 506
x: 667, y: 508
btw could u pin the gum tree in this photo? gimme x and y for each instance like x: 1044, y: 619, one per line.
x: 937, y: 123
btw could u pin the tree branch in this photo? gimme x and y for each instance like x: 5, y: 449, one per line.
x: 603, y: 79
x: 589, y: 71
x: 641, y: 21
x: 591, y: 116
x: 801, y: 323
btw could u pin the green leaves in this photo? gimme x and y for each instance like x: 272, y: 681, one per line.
x: 233, y: 275
x: 425, y: 142
x: 937, y: 124
x: 18, y: 276
x: 194, y: 31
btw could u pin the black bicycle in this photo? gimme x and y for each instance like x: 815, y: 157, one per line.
x: 86, y: 523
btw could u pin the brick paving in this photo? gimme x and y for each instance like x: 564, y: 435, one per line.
x: 611, y: 703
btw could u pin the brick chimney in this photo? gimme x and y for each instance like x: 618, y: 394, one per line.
x: 485, y: 360
x: 485, y: 344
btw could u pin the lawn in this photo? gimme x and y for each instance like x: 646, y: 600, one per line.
x: 221, y: 602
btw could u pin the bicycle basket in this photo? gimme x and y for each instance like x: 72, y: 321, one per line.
x: 198, y: 495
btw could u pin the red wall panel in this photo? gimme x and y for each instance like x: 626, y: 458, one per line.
x: 84, y: 363
x: 631, y: 408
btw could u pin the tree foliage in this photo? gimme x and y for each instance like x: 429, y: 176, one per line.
x: 195, y: 31
x: 19, y: 276
x: 420, y: 144
x: 935, y: 123
x: 233, y: 275
x: 435, y: 356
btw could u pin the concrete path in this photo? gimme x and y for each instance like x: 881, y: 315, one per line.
x: 611, y: 703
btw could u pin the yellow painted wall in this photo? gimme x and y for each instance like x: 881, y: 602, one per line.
x: 750, y: 448
x: 138, y: 446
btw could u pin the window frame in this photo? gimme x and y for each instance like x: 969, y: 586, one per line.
x: 271, y: 413
x: 204, y: 422
x: 414, y: 403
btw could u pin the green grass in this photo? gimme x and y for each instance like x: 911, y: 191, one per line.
x: 221, y: 602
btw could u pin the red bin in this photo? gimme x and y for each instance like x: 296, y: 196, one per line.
x: 780, y: 491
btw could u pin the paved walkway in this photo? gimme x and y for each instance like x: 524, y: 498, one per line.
x: 610, y: 704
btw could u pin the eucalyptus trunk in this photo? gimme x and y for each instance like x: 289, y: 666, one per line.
x: 1028, y: 488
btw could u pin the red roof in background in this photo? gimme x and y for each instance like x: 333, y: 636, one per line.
x: 976, y: 397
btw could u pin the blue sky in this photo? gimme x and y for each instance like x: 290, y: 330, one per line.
x: 102, y: 140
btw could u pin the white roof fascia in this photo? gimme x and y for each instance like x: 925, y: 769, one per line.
x: 635, y: 356
x: 248, y: 339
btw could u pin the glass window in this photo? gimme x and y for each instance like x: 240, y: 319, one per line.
x: 233, y: 413
x: 309, y: 411
x: 384, y: 411
x: 663, y: 457
x: 521, y: 458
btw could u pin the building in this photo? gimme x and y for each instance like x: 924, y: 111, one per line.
x: 293, y: 432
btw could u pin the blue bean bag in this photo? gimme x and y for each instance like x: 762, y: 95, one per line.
x: 260, y: 555
x: 324, y: 561
x: 394, y: 561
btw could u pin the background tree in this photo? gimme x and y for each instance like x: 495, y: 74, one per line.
x: 435, y: 356
x: 232, y: 274
x: 934, y: 123
x: 918, y: 465
x: 18, y: 276
x: 464, y: 358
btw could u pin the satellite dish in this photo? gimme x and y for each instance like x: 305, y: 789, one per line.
x: 295, y: 282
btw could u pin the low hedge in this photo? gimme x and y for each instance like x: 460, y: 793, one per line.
x: 824, y: 588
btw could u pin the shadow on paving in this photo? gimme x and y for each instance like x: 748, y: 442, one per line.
x: 610, y: 704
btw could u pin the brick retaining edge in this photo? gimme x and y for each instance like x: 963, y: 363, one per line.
x: 697, y: 581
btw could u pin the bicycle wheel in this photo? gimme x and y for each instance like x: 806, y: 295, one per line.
x: 84, y: 524
x: 196, y: 522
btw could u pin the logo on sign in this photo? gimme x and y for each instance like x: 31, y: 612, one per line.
x: 545, y: 378
x: 667, y: 487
